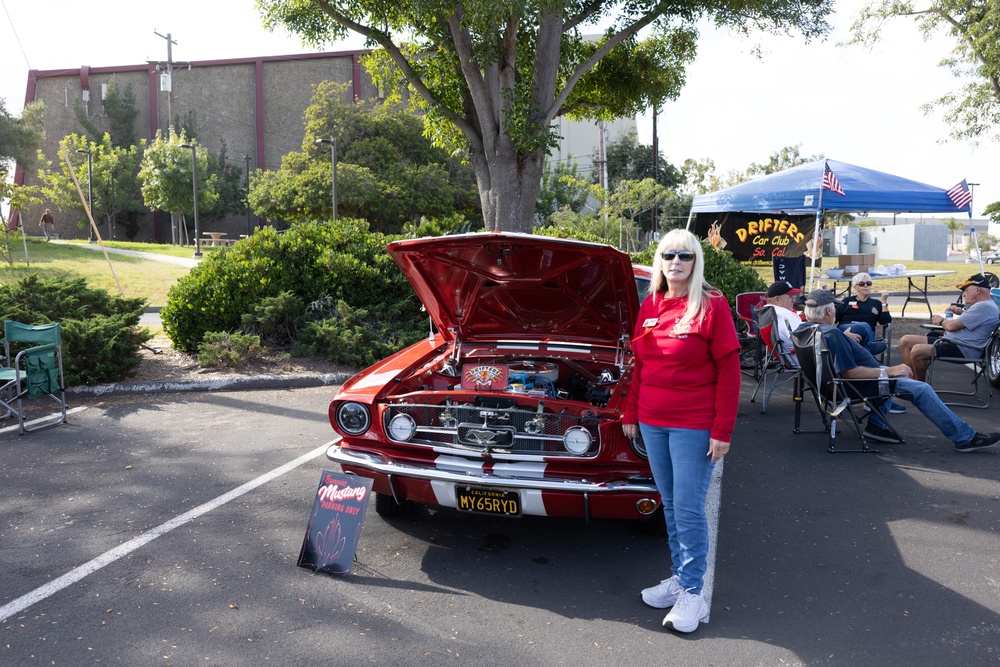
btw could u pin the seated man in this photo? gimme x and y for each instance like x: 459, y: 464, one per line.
x: 780, y: 295
x: 971, y: 325
x: 851, y: 361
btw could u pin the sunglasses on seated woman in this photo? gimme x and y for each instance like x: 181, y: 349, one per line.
x: 865, y: 283
x: 682, y: 255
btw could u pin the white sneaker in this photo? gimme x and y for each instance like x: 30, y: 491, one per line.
x: 663, y: 594
x: 689, y: 610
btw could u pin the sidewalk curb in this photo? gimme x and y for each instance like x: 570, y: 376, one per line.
x: 249, y: 383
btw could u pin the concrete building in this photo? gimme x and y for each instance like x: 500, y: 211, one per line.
x: 255, y: 105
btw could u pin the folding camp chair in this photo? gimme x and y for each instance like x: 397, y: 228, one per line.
x: 978, y: 362
x: 785, y: 363
x: 34, y: 372
x: 839, y: 399
x: 751, y: 346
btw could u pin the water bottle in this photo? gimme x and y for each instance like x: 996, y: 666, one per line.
x: 948, y: 314
x: 883, y: 382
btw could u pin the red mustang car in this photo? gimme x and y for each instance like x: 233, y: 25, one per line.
x: 512, y: 405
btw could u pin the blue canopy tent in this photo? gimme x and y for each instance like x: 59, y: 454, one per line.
x: 800, y: 190
x: 809, y: 190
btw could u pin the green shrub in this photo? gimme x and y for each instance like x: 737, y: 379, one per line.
x: 261, y: 275
x: 276, y: 319
x: 348, y: 336
x: 100, y: 332
x: 231, y: 350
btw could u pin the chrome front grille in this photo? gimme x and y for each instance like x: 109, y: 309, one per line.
x: 510, y: 430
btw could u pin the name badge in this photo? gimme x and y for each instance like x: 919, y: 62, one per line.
x: 651, y: 322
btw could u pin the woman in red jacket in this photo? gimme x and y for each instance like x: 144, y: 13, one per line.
x: 685, y: 390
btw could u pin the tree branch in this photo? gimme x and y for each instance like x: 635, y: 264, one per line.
x: 385, y: 41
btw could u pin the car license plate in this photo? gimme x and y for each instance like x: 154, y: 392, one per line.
x: 488, y: 501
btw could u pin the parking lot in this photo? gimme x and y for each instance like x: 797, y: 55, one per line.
x: 165, y: 529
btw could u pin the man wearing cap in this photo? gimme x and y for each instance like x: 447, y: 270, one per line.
x: 854, y: 362
x: 781, y: 295
x: 971, y: 325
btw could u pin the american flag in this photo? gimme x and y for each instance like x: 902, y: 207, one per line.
x: 830, y: 181
x: 960, y: 194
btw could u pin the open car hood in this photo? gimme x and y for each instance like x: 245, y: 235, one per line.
x: 495, y: 285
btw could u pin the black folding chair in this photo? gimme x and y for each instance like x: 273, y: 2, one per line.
x: 978, y: 362
x: 839, y: 399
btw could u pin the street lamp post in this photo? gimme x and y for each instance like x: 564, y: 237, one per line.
x: 194, y: 181
x: 90, y: 193
x: 333, y: 162
x: 249, y: 224
x: 113, y: 211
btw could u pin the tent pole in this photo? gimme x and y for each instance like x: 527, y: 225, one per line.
x: 816, y: 230
x: 690, y: 215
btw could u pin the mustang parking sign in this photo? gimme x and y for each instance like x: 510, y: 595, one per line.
x: 335, y: 524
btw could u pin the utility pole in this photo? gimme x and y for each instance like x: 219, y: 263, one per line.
x: 167, y: 84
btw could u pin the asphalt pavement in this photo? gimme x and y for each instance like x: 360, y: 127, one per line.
x: 164, y: 528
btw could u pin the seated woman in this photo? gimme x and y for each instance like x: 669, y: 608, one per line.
x: 860, y: 314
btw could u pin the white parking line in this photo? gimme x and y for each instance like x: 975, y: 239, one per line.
x: 33, y: 422
x: 108, y: 557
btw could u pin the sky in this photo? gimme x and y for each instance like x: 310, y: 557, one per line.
x: 848, y: 103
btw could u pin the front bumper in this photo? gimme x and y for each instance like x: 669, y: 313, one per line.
x: 625, y: 491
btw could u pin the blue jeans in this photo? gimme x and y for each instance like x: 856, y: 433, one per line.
x: 867, y: 334
x: 682, y: 470
x: 926, y: 400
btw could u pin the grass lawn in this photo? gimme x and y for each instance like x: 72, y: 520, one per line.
x: 939, y: 283
x: 143, y: 278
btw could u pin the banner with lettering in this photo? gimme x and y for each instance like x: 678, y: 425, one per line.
x: 335, y: 525
x: 755, y: 238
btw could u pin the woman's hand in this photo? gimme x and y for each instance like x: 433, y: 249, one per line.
x: 717, y: 449
x: 630, y: 430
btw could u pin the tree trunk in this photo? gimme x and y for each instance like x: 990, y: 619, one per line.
x: 508, y: 187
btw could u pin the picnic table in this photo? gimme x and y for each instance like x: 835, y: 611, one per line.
x: 216, y: 239
x: 914, y: 292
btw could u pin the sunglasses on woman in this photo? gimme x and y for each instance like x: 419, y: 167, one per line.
x: 865, y: 283
x: 682, y: 255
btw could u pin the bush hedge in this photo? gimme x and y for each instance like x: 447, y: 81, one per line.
x: 311, y: 264
x: 100, y: 332
x: 330, y: 289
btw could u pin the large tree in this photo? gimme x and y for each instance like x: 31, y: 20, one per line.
x: 115, y: 190
x: 493, y: 76
x: 387, y: 172
x: 167, y: 184
x: 973, y: 111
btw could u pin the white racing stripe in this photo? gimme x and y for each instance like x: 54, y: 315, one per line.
x: 108, y: 557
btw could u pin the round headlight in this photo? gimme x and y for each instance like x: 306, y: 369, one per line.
x: 353, y: 418
x: 402, y: 427
x: 638, y: 445
x: 577, y: 440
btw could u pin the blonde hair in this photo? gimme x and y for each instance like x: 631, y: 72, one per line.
x: 858, y: 277
x: 698, y: 291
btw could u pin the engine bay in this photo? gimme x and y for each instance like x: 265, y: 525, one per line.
x: 590, y: 380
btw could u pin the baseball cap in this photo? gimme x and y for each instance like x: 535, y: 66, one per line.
x: 979, y: 280
x: 820, y: 297
x: 781, y: 287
